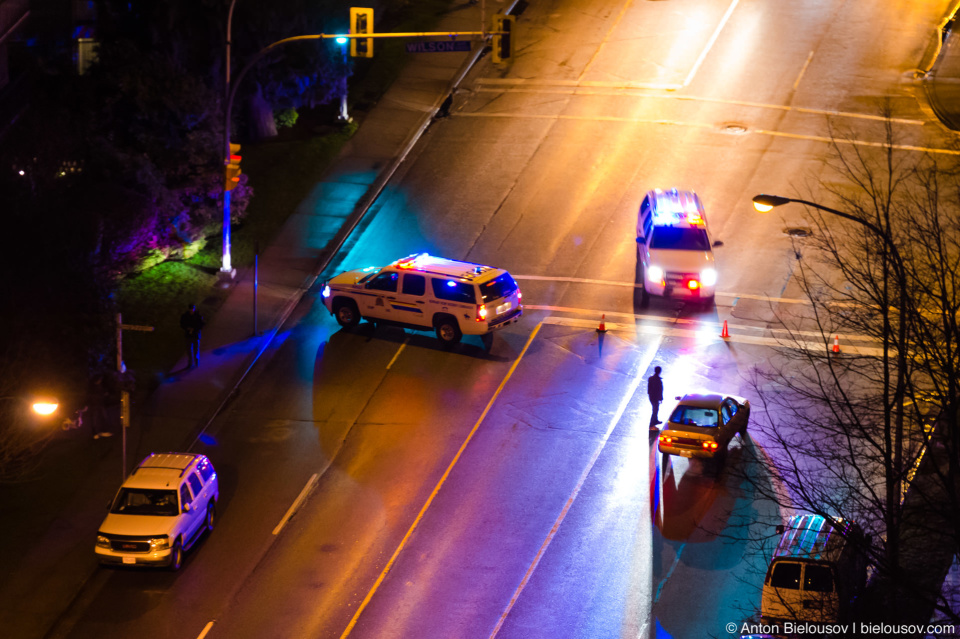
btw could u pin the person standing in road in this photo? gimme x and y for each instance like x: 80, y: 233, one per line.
x: 192, y: 323
x: 655, y: 393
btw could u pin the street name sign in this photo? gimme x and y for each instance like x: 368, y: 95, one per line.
x: 438, y: 46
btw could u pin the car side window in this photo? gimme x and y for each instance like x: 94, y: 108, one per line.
x: 453, y: 291
x: 725, y: 412
x: 385, y: 282
x: 731, y: 406
x: 786, y: 575
x: 414, y: 284
x: 195, y: 484
x: 647, y: 224
x: 185, y: 497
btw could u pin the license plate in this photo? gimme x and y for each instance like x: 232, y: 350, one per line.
x: 503, y: 308
x: 129, y: 560
x: 685, y: 453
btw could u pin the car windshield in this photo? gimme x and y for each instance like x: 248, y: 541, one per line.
x: 141, y: 501
x: 503, y: 286
x: 680, y: 238
x: 694, y: 416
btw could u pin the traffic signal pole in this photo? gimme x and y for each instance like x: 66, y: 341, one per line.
x: 227, y: 272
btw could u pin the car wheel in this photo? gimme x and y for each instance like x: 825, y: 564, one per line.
x: 644, y: 295
x: 346, y: 312
x: 743, y: 429
x: 448, y: 331
x: 176, y: 556
x: 720, y: 458
x: 708, y: 303
x: 211, y: 516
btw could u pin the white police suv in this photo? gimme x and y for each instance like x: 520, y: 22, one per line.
x: 424, y: 292
x: 673, y: 247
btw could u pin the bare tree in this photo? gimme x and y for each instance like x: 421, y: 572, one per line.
x: 872, y: 435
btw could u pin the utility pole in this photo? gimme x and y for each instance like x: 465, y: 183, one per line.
x: 124, y: 393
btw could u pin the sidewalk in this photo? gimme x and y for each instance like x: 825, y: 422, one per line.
x: 50, y: 523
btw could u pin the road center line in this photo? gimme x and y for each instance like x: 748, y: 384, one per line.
x: 636, y: 375
x: 433, y: 494
x: 397, y: 354
x: 206, y: 629
x: 311, y: 484
x: 802, y: 71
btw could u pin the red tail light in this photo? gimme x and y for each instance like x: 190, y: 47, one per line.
x: 481, y: 312
x: 693, y: 285
x: 665, y: 440
x: 710, y: 445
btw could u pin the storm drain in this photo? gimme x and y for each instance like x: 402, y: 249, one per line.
x: 798, y: 232
x: 733, y: 129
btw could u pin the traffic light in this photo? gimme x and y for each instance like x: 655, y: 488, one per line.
x: 502, y: 38
x: 361, y: 21
x: 233, y: 168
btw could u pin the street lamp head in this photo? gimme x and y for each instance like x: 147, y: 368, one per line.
x: 45, y: 407
x: 340, y: 40
x: 765, y: 203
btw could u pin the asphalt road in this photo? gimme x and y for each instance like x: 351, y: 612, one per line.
x: 465, y: 494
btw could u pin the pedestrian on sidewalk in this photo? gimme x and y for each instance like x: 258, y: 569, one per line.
x: 192, y: 323
x: 97, y: 407
x: 655, y: 393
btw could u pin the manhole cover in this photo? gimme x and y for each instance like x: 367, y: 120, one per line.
x: 734, y: 129
x: 798, y: 232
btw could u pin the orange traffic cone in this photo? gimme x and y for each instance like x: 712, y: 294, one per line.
x: 836, y: 344
x: 603, y: 324
x: 725, y: 334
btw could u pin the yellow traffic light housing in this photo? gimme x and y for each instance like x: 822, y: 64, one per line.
x: 233, y: 168
x: 503, y: 38
x: 361, y: 21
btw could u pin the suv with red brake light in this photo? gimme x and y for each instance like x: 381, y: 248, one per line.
x: 424, y: 292
x: 673, y: 248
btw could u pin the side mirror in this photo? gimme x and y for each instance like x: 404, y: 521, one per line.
x: 717, y: 243
x: 678, y: 397
x: 641, y: 239
x: 186, y: 508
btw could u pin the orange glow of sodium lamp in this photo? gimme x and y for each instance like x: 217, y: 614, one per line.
x: 45, y: 407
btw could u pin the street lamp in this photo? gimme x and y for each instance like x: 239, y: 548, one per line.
x: 765, y: 203
x: 343, y: 117
x: 227, y: 272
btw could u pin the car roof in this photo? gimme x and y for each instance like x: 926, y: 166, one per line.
x: 813, y: 537
x: 161, y: 470
x: 702, y: 400
x: 674, y: 207
x: 433, y: 265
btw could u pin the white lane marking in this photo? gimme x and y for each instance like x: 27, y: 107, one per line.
x: 621, y: 88
x: 433, y: 494
x: 673, y: 567
x: 803, y: 70
x: 704, y: 335
x: 397, y: 354
x: 636, y: 377
x: 207, y: 628
x: 710, y: 42
x: 704, y: 325
x: 710, y: 126
x: 311, y: 484
x: 584, y: 280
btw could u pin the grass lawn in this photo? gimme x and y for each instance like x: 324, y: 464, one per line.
x: 282, y: 172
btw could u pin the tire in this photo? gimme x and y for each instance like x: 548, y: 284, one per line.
x: 347, y: 313
x: 211, y: 519
x: 176, y: 556
x: 743, y: 429
x: 708, y: 303
x: 448, y: 331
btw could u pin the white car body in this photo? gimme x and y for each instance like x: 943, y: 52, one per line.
x: 673, y: 247
x: 160, y: 511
